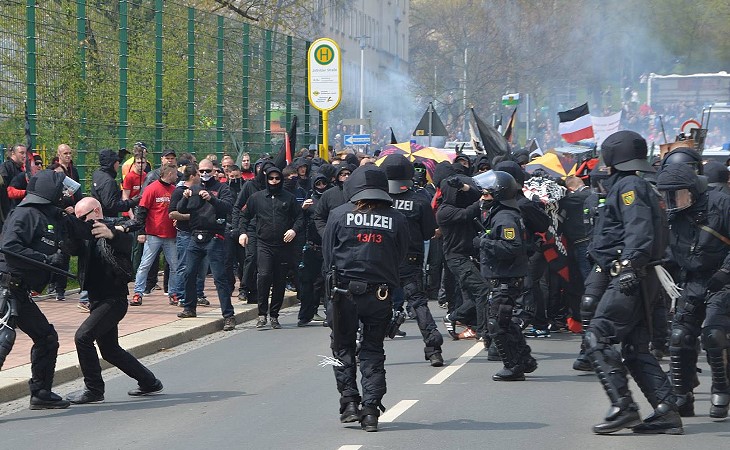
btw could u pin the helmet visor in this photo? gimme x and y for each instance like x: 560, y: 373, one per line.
x: 677, y: 200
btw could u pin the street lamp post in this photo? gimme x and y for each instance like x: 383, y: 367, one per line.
x: 361, y: 39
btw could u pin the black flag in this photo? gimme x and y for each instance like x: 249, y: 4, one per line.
x: 437, y: 127
x: 494, y: 143
x: 393, y: 140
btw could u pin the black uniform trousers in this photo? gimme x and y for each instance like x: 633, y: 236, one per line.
x: 311, y: 283
x: 698, y: 314
x: 43, y: 354
x: 415, y: 294
x: 474, y: 291
x: 374, y: 315
x: 102, y: 327
x: 273, y: 263
x: 505, y: 333
x: 621, y: 318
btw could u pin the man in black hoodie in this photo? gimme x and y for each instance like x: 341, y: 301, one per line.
x: 455, y: 217
x: 278, y: 220
x: 332, y: 198
x: 105, y: 187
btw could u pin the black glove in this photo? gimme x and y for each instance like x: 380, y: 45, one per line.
x: 55, y: 259
x: 718, y: 281
x: 628, y: 282
x: 455, y: 182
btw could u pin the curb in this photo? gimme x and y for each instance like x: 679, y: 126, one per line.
x: 14, y: 382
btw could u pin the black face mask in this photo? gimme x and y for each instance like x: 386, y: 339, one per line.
x: 234, y: 184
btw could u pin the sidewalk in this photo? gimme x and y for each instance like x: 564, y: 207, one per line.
x: 145, y: 330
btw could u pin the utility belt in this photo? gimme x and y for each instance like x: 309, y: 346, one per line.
x: 509, y: 282
x: 414, y: 259
x: 381, y: 290
x: 9, y: 281
x: 205, y: 236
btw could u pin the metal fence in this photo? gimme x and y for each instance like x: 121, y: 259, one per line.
x: 105, y: 74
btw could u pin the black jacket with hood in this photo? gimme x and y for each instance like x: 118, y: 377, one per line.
x: 455, y: 217
x: 105, y: 187
x: 330, y: 200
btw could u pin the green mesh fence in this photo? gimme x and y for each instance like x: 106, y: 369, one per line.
x: 105, y: 74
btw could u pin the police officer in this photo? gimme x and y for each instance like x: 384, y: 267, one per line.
x: 629, y: 243
x: 422, y: 226
x: 31, y: 238
x: 700, y: 227
x: 717, y: 176
x: 364, y: 243
x: 503, y: 258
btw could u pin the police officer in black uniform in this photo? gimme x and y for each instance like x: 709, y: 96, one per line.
x: 416, y: 208
x: 503, y: 262
x: 33, y: 231
x: 629, y: 243
x: 364, y: 243
x: 699, y: 226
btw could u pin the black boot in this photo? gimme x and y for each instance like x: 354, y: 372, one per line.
x: 369, y: 418
x: 529, y: 364
x: 622, y: 414
x: 582, y: 363
x: 436, y: 359
x: 719, y: 407
x: 681, y: 372
x: 349, y: 412
x: 664, y: 420
x: 512, y: 370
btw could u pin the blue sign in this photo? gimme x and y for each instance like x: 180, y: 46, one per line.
x: 357, y: 139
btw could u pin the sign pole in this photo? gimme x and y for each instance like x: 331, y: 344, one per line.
x: 324, y: 151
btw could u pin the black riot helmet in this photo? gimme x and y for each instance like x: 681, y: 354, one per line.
x: 684, y: 155
x: 367, y: 182
x: 680, y: 186
x: 400, y: 173
x: 626, y: 151
x: 500, y: 185
x: 44, y: 188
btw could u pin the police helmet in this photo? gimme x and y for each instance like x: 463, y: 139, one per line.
x: 684, y: 155
x: 368, y: 182
x: 626, y: 151
x: 716, y: 173
x: 400, y: 173
x: 680, y: 186
x: 44, y: 188
x: 500, y: 185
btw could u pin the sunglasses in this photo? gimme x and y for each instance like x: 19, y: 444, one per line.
x: 274, y: 178
x: 420, y: 170
x: 86, y: 214
x: 205, y: 170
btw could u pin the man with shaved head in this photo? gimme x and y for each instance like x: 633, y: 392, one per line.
x: 105, y: 268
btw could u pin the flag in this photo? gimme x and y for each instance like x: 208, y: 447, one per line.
x: 475, y: 142
x: 284, y: 156
x: 510, y: 126
x: 575, y: 124
x: 494, y: 143
x: 605, y: 126
x: 533, y: 148
x: 511, y: 99
x: 437, y: 126
x: 393, y: 140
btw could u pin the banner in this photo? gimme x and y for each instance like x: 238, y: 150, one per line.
x: 605, y: 126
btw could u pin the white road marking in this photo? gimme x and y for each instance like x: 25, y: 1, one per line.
x: 350, y: 447
x: 392, y: 413
x: 449, y: 370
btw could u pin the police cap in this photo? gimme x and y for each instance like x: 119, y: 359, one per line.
x: 368, y: 183
x: 626, y: 151
x: 400, y: 173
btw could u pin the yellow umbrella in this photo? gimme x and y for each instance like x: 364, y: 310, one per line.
x: 433, y: 154
x: 551, y: 163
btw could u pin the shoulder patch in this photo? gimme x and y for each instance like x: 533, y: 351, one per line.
x: 508, y: 233
x: 628, y: 197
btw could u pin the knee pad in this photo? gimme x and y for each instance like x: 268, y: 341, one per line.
x: 593, y: 342
x: 588, y: 305
x: 681, y: 338
x: 714, y: 339
x: 504, y: 316
x: 52, y: 339
x: 492, y: 326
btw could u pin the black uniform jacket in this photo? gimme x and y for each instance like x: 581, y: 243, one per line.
x: 503, y: 247
x: 366, y: 246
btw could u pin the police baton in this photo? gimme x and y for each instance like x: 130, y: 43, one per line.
x: 39, y: 264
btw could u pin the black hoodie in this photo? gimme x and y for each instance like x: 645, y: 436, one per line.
x: 455, y: 217
x: 105, y: 187
x: 330, y: 200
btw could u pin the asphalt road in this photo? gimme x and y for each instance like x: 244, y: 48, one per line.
x: 264, y: 389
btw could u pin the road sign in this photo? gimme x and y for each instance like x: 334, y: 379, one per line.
x: 357, y: 139
x: 324, y: 73
x: 687, y: 126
